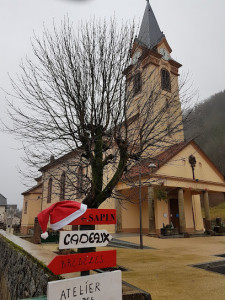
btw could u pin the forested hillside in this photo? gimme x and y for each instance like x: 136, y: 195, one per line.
x: 207, y: 127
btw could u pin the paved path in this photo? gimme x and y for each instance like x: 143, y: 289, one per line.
x: 166, y: 271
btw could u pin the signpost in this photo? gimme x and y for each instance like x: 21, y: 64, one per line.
x: 104, y: 286
x: 83, y: 239
x: 96, y: 217
x: 62, y: 264
x: 93, y: 287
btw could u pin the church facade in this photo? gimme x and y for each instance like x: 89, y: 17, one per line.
x: 167, y: 184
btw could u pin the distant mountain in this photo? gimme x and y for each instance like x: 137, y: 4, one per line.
x: 207, y: 126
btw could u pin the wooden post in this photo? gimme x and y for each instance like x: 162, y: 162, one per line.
x: 207, y: 211
x: 181, y: 211
x: 36, y: 239
x: 151, y: 210
x: 140, y: 210
x: 86, y: 250
x: 119, y: 216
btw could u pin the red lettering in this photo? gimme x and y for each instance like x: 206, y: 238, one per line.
x: 63, y: 264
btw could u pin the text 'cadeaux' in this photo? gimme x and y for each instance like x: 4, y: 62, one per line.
x: 85, y: 238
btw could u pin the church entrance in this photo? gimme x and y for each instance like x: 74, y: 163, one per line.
x: 174, y: 214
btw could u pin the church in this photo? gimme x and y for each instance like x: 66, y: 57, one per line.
x: 166, y: 187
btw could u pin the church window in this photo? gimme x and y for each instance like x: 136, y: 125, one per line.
x: 49, y: 197
x: 165, y: 80
x: 137, y: 83
x: 62, y: 186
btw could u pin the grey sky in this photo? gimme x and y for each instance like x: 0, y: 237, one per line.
x: 193, y: 28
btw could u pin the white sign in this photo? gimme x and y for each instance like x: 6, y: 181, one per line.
x: 104, y: 286
x: 83, y: 239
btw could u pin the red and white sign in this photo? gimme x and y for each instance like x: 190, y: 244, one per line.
x: 63, y: 264
x: 104, y: 286
x: 83, y: 239
x: 96, y: 217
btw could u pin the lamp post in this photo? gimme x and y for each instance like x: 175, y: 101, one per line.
x: 192, y: 162
x: 151, y: 166
x: 140, y: 208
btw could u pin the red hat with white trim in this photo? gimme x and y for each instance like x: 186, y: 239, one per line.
x: 61, y: 214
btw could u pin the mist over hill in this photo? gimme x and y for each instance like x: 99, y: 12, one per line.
x: 207, y: 126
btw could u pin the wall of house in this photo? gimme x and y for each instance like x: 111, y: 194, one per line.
x: 34, y: 201
x: 21, y: 275
x: 131, y: 216
x: 161, y: 214
x: 179, y: 166
x: 69, y: 165
x: 2, y: 211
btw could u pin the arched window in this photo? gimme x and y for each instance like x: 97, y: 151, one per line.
x: 62, y: 186
x: 49, y: 197
x: 137, y: 83
x: 165, y: 80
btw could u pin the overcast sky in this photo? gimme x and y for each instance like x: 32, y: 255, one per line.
x: 193, y: 28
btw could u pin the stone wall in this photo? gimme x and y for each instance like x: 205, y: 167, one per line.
x: 21, y: 275
x: 23, y: 271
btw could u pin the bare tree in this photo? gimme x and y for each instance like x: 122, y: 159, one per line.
x: 79, y: 98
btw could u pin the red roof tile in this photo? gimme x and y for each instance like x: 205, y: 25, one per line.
x: 158, y: 160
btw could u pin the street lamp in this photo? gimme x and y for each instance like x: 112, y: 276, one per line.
x: 151, y: 166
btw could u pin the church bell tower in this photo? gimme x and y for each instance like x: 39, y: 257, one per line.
x: 152, y: 77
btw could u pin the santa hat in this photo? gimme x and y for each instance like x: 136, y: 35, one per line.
x: 61, y: 214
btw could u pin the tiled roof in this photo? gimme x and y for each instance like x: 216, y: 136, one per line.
x: 3, y: 200
x: 32, y: 189
x: 59, y: 160
x: 158, y: 160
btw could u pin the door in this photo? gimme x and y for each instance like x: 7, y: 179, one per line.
x: 174, y: 213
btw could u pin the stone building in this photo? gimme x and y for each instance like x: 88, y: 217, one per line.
x: 3, y: 205
x: 168, y: 183
x: 32, y: 205
x: 8, y: 216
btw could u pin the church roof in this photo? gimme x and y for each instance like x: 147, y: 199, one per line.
x: 158, y: 160
x: 163, y: 158
x: 32, y: 189
x: 150, y: 34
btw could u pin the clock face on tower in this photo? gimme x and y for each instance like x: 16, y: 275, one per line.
x: 164, y: 53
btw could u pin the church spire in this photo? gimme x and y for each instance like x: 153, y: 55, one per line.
x: 150, y: 34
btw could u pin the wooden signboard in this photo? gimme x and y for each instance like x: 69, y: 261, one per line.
x: 83, y: 239
x: 104, y: 286
x: 70, y: 263
x: 96, y: 217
